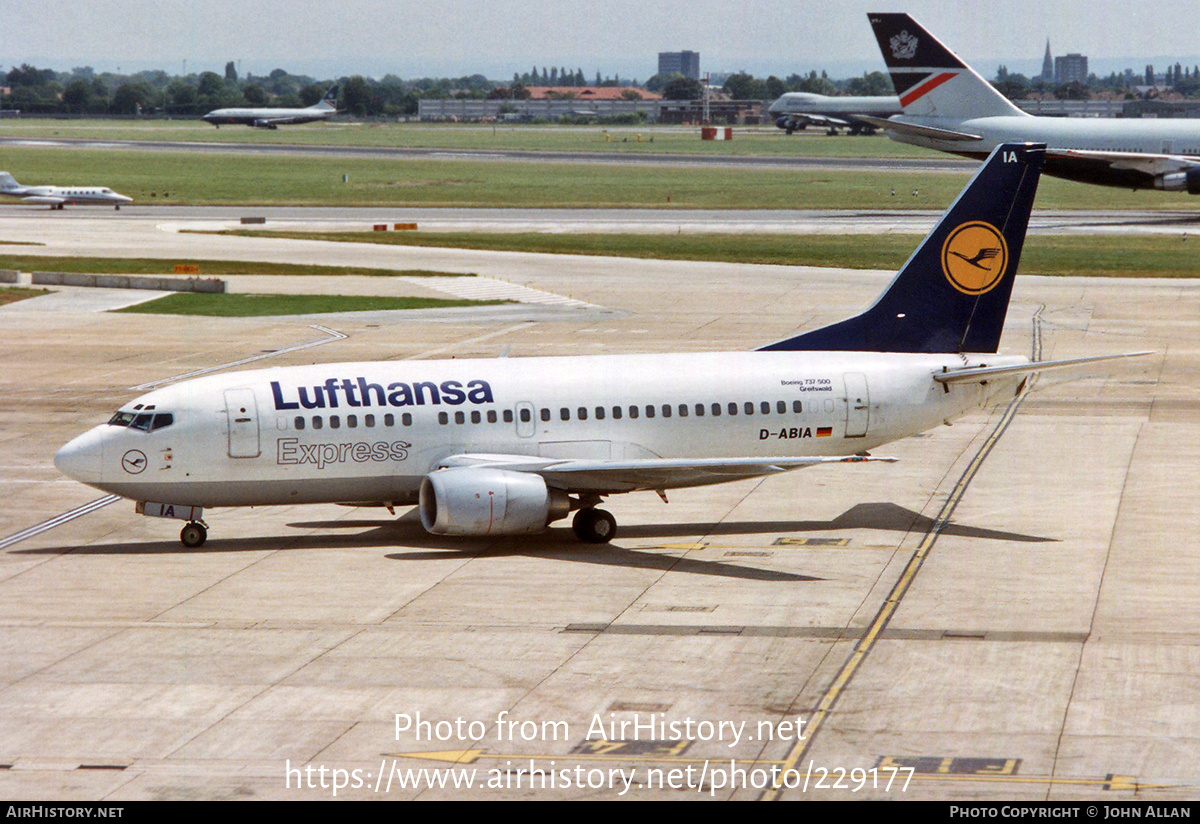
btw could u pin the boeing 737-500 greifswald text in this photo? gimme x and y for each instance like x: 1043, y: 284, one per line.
x: 506, y: 446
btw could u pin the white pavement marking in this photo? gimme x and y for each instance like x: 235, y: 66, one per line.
x: 485, y: 288
x: 58, y: 520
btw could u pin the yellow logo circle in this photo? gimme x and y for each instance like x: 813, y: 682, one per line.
x: 974, y: 257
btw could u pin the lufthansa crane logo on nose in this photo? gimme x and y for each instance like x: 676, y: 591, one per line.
x: 974, y: 257
x: 134, y: 462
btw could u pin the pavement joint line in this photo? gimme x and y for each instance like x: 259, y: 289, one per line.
x: 884, y: 615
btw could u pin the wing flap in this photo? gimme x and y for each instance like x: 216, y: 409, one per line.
x: 657, y: 473
x: 1152, y: 165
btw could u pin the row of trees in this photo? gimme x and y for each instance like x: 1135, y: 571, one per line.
x: 84, y: 91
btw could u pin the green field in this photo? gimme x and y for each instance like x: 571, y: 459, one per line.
x: 1100, y: 256
x: 202, y: 178
x: 753, y: 141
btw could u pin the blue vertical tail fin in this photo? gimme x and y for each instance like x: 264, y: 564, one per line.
x: 952, y: 294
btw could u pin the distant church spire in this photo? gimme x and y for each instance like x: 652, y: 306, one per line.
x: 1048, y: 64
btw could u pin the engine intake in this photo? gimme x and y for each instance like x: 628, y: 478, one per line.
x: 473, y: 500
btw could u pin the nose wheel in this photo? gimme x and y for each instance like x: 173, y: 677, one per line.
x: 193, y: 535
x: 594, y: 526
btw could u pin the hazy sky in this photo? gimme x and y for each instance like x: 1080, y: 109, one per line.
x: 500, y: 37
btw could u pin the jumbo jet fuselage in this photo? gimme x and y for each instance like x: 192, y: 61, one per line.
x: 371, y: 432
x: 1111, y: 136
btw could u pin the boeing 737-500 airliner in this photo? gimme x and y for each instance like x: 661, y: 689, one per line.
x: 506, y: 446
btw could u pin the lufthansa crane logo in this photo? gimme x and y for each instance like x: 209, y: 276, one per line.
x: 974, y: 257
x: 134, y: 462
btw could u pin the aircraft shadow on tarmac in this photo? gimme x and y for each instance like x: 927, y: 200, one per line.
x: 559, y: 544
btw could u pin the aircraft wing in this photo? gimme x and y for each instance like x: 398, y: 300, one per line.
x: 981, y: 374
x: 659, y: 473
x: 902, y: 127
x: 814, y: 119
x: 1152, y: 165
x: 45, y: 200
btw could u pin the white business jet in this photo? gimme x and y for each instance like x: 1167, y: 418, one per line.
x: 58, y: 196
x: 507, y: 446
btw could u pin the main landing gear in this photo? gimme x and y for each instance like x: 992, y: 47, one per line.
x: 193, y: 534
x: 594, y: 526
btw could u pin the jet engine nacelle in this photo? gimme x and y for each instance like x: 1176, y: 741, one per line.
x: 472, y: 500
x: 1187, y: 180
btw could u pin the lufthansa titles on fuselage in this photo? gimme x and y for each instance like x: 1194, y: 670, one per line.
x: 359, y: 393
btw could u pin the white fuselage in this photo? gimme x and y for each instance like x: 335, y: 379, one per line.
x: 369, y: 432
x: 269, y: 118
x: 1162, y: 136
x: 59, y: 195
x: 810, y: 103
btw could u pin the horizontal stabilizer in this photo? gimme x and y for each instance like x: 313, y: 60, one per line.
x: 916, y: 130
x: 980, y: 374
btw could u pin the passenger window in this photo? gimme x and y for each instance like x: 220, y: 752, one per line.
x: 796, y: 407
x: 352, y: 421
x: 317, y: 422
x: 716, y: 410
x: 443, y: 418
x: 460, y: 417
x: 732, y: 408
x: 582, y: 413
x: 749, y: 407
x: 666, y: 410
x: 564, y: 414
x: 699, y: 410
x: 369, y: 421
x: 508, y: 416
x: 683, y: 410
x: 476, y: 417
x: 649, y: 411
x: 765, y: 407
x: 781, y: 407
x: 617, y: 413
x: 491, y: 416
x: 633, y: 412
x: 299, y: 422
x: 599, y: 413
x: 335, y: 422
x: 545, y: 414
x: 525, y: 416
x: 405, y: 419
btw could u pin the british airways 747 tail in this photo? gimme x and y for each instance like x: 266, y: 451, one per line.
x: 508, y: 446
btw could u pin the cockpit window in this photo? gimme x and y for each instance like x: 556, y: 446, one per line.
x: 142, y: 421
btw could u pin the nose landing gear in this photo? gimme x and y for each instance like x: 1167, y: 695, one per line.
x: 193, y: 534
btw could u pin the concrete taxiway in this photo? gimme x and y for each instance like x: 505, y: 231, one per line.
x: 1006, y: 613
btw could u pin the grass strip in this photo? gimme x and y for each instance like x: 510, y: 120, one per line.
x: 1095, y: 255
x: 158, y: 266
x: 253, y: 306
x: 12, y: 294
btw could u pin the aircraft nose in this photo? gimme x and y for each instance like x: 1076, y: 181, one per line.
x: 82, y: 458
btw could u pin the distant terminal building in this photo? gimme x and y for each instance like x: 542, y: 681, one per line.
x: 686, y: 63
x: 1070, y: 68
